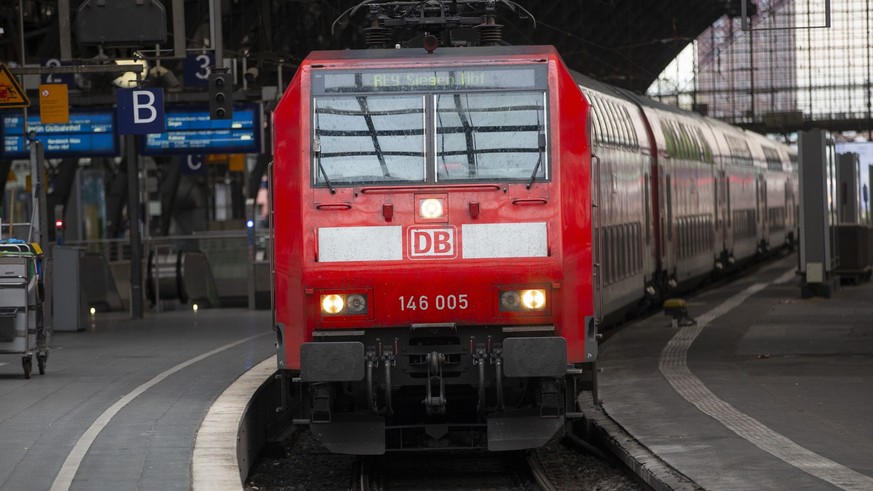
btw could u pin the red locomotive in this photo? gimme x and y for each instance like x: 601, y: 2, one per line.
x: 436, y: 275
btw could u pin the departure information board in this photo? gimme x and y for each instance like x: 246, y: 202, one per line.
x: 88, y: 134
x: 189, y: 130
x: 443, y: 79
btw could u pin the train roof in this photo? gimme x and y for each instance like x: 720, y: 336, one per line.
x: 484, y: 53
x: 642, y: 100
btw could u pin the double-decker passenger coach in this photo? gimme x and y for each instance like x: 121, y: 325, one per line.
x: 433, y: 246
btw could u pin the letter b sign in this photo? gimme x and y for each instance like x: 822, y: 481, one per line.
x: 140, y: 111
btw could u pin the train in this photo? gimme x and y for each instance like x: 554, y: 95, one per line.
x: 452, y: 226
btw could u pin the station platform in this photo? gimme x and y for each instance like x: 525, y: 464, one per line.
x: 765, y: 391
x: 121, y: 403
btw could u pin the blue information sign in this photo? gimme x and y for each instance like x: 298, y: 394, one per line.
x: 189, y: 130
x: 194, y: 164
x: 88, y: 134
x: 197, y: 67
x: 140, y: 111
x: 63, y: 78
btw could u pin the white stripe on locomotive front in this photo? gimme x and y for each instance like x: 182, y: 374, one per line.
x: 480, y: 241
x: 499, y: 240
x: 339, y: 244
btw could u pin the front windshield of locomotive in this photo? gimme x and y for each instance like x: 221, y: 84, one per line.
x: 427, y: 127
x: 490, y: 136
x: 365, y: 139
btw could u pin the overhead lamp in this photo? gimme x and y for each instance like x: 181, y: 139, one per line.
x: 128, y: 80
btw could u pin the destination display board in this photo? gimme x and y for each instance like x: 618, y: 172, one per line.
x: 89, y: 133
x: 189, y: 130
x: 444, y: 79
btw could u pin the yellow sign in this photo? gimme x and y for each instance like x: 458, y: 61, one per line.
x: 11, y: 93
x: 237, y: 162
x: 54, y: 105
x: 217, y: 158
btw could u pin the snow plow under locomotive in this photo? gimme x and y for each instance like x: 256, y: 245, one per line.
x: 438, y: 220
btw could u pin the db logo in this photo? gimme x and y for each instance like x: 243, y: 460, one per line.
x: 431, y: 243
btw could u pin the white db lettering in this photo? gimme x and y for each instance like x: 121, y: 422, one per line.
x: 422, y: 242
x: 432, y: 243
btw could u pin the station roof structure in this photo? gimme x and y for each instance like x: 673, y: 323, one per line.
x: 623, y: 42
x: 626, y: 43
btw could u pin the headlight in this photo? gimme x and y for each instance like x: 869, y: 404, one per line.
x: 357, y: 303
x: 431, y: 208
x: 522, y: 300
x: 338, y: 304
x: 332, y: 304
x: 509, y: 300
x: 533, y: 299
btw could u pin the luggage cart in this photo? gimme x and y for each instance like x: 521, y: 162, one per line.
x: 21, y: 326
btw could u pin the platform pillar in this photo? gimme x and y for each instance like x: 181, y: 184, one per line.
x: 818, y: 214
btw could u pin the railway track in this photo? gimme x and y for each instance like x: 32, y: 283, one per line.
x: 538, y: 473
x: 443, y: 470
x: 300, y: 463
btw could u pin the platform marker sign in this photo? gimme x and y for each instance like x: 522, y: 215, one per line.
x: 193, y: 164
x: 140, y: 111
x: 11, y: 93
x: 196, y: 68
x: 59, y: 78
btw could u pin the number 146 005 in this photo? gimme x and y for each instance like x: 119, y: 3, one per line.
x: 439, y: 302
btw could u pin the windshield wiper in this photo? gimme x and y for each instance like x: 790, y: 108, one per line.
x: 371, y: 127
x: 316, y: 147
x: 542, y: 147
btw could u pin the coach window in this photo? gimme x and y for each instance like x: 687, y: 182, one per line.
x: 739, y: 151
x: 685, y: 142
x: 620, y: 136
x: 634, y: 142
x: 614, y: 128
x: 690, y: 147
x: 610, y: 122
x: 774, y: 162
x: 625, y: 125
x: 604, y: 121
x: 601, y: 126
x: 707, y: 149
x: 694, y: 146
x: 595, y: 126
x: 620, y: 127
x: 670, y: 138
x: 368, y: 139
x: 491, y: 136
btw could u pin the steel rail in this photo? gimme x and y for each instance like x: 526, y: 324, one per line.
x: 538, y: 473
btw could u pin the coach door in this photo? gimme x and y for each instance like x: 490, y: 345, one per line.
x: 597, y: 208
x: 722, y: 211
x: 761, y: 210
